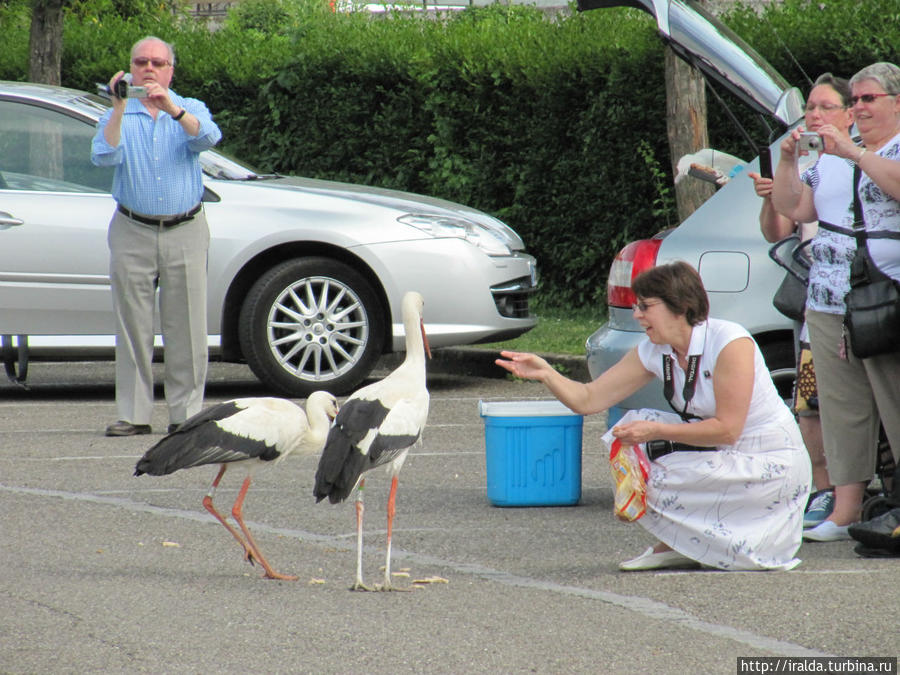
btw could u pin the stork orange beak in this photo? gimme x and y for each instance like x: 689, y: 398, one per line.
x: 424, y: 337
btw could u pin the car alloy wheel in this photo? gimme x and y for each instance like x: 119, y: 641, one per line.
x: 310, y: 324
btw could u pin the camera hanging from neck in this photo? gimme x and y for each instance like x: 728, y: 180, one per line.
x: 690, y: 384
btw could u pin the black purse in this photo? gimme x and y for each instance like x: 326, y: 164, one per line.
x: 872, y: 320
x: 790, y: 298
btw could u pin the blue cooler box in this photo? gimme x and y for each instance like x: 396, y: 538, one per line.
x: 532, y: 453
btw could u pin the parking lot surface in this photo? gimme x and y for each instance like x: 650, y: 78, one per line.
x: 104, y: 571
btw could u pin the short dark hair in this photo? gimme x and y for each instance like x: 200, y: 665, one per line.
x: 679, y: 286
x: 839, y: 84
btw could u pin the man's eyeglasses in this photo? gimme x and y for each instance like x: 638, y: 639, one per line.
x: 867, y: 98
x: 142, y: 61
x: 825, y: 107
x: 644, y: 306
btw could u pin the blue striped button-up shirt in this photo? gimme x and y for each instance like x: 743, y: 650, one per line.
x: 157, y: 171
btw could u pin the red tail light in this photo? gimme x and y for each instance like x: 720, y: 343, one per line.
x: 632, y: 260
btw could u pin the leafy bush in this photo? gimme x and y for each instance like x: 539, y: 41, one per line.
x: 556, y: 126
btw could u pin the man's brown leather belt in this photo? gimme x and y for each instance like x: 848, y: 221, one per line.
x: 164, y: 221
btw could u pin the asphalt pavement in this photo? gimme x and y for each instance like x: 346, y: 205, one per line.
x: 101, y: 571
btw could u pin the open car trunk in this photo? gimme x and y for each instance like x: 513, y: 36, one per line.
x: 706, y: 43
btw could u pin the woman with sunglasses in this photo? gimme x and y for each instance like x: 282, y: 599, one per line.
x: 729, y: 474
x: 828, y: 103
x: 855, y: 395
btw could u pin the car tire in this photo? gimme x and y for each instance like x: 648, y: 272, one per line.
x: 782, y: 364
x: 311, y: 324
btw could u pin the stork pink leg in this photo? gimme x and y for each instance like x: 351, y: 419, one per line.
x: 237, y: 512
x: 391, y: 510
x: 360, y: 510
x: 208, y: 505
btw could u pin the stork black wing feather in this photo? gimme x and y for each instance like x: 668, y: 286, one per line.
x: 386, y: 448
x: 358, y: 417
x: 342, y: 461
x: 201, y: 440
x: 339, y: 449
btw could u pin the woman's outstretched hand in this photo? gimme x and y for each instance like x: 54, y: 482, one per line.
x: 521, y: 364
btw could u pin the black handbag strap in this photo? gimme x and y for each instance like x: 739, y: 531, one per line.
x: 859, y: 225
x: 878, y: 234
x: 863, y: 269
x: 835, y: 228
x: 797, y: 263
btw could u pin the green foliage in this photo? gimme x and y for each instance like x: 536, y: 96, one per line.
x: 462, y: 109
x: 664, y: 197
x: 264, y: 16
x: 556, y: 126
x: 840, y: 36
x: 15, y: 20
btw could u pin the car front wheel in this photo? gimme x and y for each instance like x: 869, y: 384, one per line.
x: 311, y: 324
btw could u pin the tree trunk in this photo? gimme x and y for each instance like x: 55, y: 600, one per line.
x: 45, y: 42
x: 686, y: 125
x: 45, y: 52
x: 686, y: 120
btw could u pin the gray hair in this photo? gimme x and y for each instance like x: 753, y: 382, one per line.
x: 153, y: 38
x: 887, y: 75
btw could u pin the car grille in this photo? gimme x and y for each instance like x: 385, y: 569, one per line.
x: 512, y: 298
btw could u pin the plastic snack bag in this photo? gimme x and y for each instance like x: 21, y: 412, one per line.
x: 630, y: 470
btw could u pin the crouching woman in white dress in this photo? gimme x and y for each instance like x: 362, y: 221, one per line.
x: 736, y: 501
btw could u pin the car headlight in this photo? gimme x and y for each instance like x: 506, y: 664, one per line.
x: 475, y: 233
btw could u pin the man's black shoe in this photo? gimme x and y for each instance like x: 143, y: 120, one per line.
x: 122, y: 428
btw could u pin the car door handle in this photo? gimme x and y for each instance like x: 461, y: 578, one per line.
x: 7, y: 219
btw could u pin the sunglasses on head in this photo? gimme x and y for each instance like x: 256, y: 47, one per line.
x: 142, y: 61
x: 867, y: 98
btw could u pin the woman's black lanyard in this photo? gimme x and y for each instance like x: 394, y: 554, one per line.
x: 690, y: 383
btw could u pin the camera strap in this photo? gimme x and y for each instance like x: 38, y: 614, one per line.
x: 690, y: 384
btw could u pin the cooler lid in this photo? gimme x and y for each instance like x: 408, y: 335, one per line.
x: 551, y: 408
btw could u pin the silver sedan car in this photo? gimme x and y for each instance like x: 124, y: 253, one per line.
x: 305, y: 276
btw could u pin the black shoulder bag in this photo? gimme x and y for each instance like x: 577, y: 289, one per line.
x: 789, y: 253
x: 872, y: 320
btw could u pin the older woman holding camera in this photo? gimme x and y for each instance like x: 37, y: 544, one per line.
x: 731, y: 490
x: 854, y: 394
x: 828, y: 103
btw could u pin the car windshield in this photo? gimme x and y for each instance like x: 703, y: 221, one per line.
x: 218, y: 165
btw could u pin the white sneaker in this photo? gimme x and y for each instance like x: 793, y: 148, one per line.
x: 827, y: 531
x: 648, y: 560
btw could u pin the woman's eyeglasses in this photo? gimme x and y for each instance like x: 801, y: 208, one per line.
x: 867, y: 98
x: 644, y: 306
x: 142, y: 61
x: 825, y: 107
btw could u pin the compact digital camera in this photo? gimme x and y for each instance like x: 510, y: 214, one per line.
x: 123, y: 89
x: 811, y: 142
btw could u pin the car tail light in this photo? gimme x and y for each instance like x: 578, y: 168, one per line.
x: 632, y: 260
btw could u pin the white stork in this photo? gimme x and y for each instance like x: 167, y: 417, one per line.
x: 377, y: 425
x: 258, y: 431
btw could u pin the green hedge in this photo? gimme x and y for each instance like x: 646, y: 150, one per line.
x: 555, y: 126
